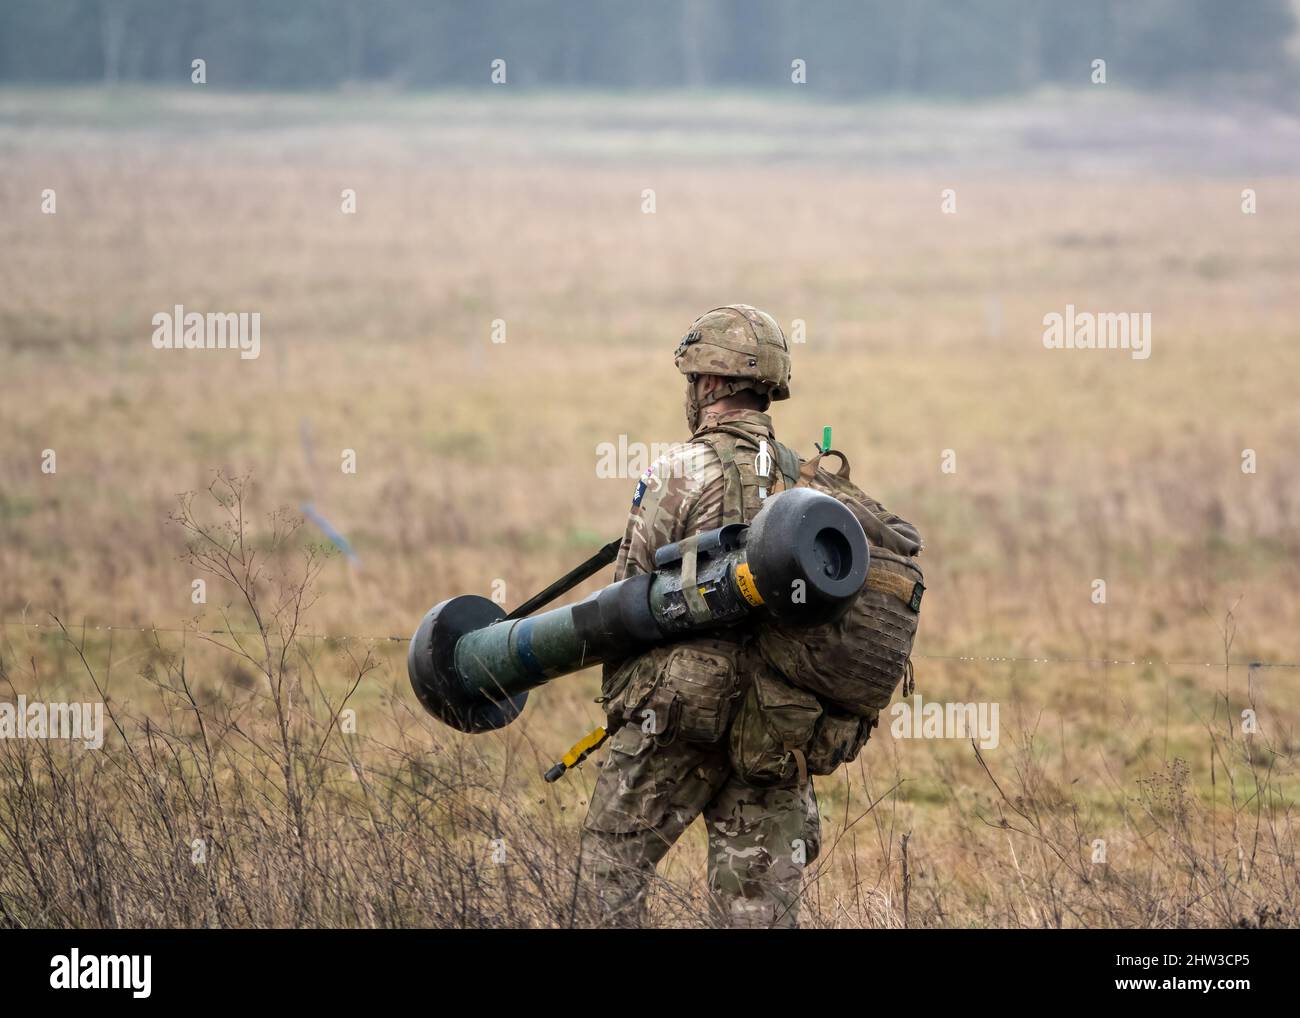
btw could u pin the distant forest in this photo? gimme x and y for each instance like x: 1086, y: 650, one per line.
x: 850, y: 47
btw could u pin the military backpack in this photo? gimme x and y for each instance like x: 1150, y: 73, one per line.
x: 814, y: 705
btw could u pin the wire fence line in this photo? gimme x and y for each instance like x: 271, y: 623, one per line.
x: 963, y: 658
x: 197, y: 630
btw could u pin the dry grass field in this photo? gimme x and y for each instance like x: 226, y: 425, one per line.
x: 476, y: 466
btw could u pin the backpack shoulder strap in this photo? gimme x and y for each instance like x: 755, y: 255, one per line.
x: 788, y: 462
x: 733, y: 490
x: 724, y: 441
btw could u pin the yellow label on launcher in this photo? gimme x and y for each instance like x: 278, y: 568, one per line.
x: 745, y: 581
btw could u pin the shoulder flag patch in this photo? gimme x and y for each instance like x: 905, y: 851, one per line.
x: 640, y: 488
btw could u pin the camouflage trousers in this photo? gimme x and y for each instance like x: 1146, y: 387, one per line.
x: 648, y: 794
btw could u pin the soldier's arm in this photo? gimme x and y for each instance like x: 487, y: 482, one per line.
x: 647, y: 524
x: 666, y: 502
x: 680, y: 495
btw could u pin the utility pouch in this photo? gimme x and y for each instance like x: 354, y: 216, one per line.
x: 626, y: 686
x: 772, y: 731
x: 684, y: 691
x: 704, y: 681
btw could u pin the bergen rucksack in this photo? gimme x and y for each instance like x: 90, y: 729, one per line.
x: 814, y: 704
x: 857, y: 661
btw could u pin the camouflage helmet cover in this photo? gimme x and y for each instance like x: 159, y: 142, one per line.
x: 738, y: 342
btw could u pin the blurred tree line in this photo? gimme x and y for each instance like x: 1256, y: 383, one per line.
x: 852, y: 47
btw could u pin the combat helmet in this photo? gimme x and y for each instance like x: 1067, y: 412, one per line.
x: 740, y: 343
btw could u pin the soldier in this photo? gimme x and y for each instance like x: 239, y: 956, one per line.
x: 671, y: 706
